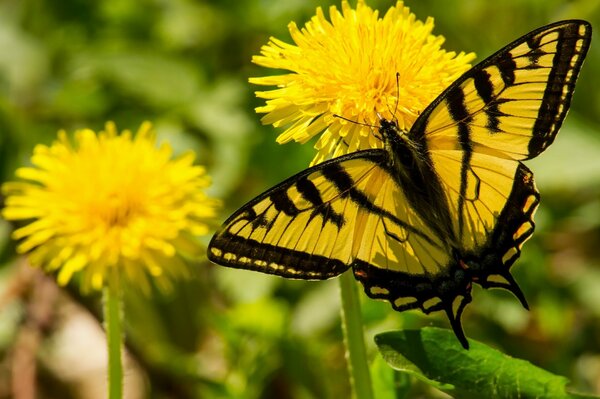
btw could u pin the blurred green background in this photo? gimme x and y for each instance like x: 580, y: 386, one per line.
x: 184, y: 65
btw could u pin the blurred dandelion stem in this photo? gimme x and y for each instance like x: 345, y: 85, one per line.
x: 354, y: 340
x: 113, y: 314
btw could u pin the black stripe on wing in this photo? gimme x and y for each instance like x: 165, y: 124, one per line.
x: 238, y: 252
x: 460, y: 115
x: 231, y: 249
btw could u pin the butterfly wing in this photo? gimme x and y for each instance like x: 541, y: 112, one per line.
x: 512, y: 104
x: 302, y: 228
x: 505, y: 109
x: 492, y: 204
x: 316, y: 223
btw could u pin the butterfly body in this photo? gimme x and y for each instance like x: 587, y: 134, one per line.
x: 409, y: 164
x: 440, y: 207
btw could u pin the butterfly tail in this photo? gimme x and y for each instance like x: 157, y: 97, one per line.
x: 513, y: 287
x: 510, y: 284
x: 455, y: 321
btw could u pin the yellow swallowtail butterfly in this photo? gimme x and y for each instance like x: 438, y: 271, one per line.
x: 442, y: 206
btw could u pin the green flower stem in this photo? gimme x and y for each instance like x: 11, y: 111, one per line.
x: 352, y: 327
x: 112, y: 297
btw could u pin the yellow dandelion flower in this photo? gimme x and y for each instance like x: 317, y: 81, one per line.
x: 348, y: 67
x: 110, y: 201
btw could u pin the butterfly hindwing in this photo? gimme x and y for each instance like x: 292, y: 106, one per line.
x: 478, y: 192
x: 490, y: 263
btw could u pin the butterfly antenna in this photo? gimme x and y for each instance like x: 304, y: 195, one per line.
x: 351, y: 121
x: 375, y: 128
x: 397, y: 99
x: 397, y: 95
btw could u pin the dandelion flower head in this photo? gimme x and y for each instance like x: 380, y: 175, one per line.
x: 348, y: 67
x: 108, y: 201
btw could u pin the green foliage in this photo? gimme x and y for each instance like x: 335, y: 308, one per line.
x: 434, y: 356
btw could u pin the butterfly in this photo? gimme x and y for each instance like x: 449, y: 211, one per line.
x: 440, y: 207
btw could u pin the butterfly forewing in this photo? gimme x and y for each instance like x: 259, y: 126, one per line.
x: 303, y: 227
x: 343, y: 209
x: 513, y: 103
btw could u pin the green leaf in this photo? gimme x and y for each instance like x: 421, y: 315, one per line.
x: 434, y: 356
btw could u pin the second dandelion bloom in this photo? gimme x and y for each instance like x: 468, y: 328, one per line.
x: 110, y: 200
x: 347, y: 66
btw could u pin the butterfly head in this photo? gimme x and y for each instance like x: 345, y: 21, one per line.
x: 389, y: 130
x: 396, y: 140
x: 386, y: 125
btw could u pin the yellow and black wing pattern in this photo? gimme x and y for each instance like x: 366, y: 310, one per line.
x: 441, y: 207
x: 305, y: 226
